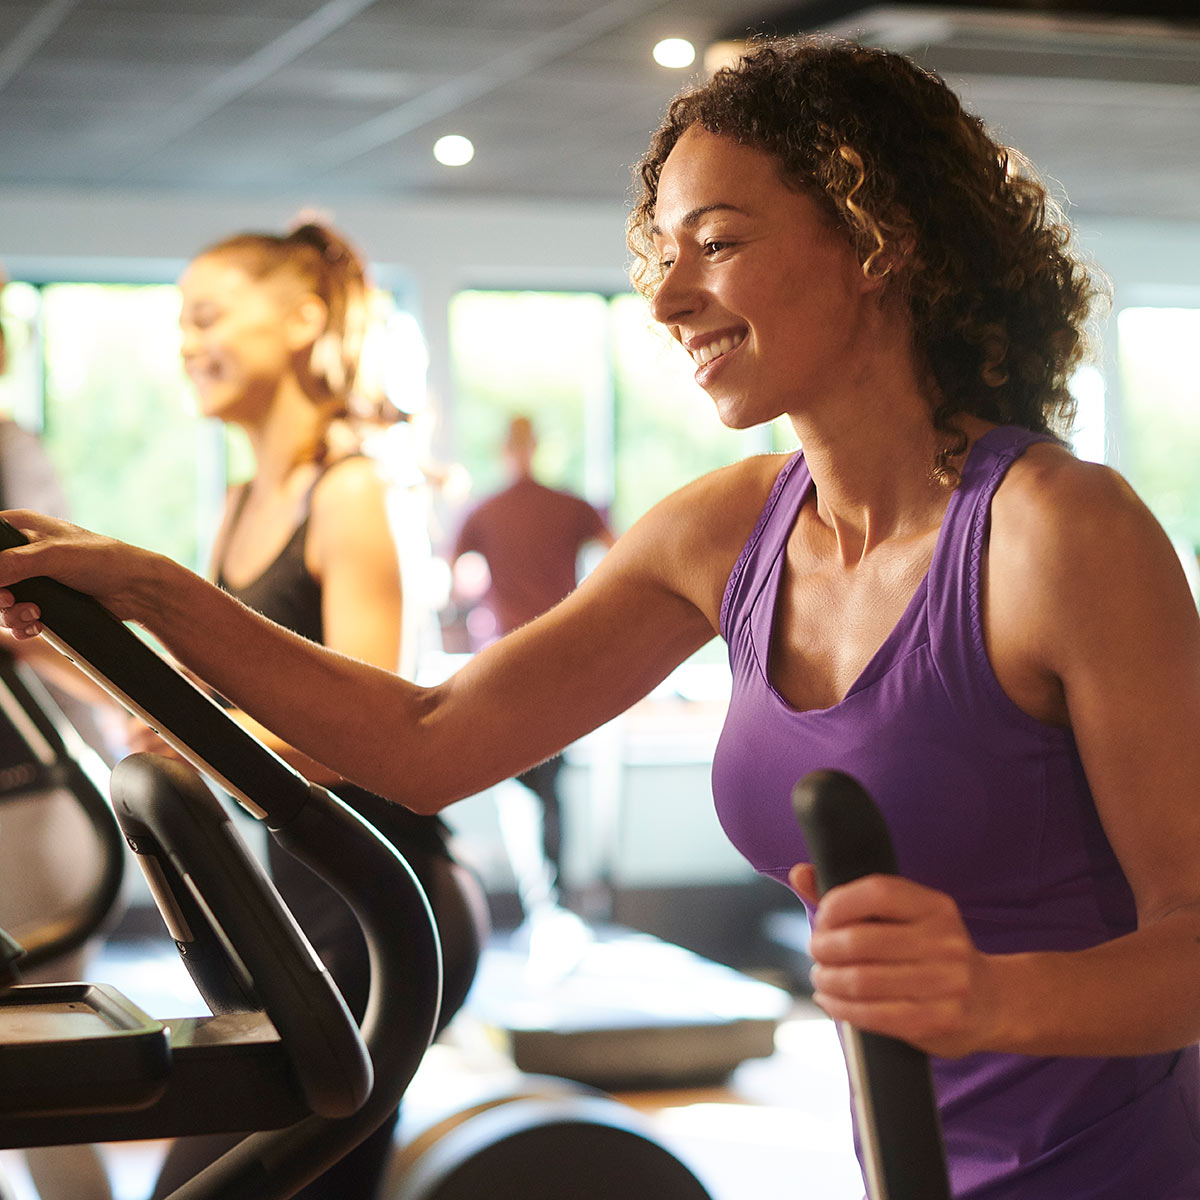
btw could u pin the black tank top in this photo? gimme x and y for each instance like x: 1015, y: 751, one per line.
x: 286, y: 593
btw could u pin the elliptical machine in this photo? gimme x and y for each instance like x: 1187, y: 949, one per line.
x: 280, y: 1054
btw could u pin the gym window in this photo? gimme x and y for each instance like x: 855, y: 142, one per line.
x: 619, y: 417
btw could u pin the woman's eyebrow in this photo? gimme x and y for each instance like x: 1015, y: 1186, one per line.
x: 693, y: 217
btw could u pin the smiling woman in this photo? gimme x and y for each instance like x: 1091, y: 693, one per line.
x: 272, y: 332
x: 933, y: 595
x: 770, y: 303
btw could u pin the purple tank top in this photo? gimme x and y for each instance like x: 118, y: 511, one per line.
x: 987, y: 804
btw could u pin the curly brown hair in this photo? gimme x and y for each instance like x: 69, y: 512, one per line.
x: 959, y: 225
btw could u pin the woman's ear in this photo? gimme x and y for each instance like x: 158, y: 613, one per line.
x: 306, y: 321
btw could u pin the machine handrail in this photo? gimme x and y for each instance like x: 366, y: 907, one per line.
x: 400, y: 932
x: 401, y: 1013
x: 891, y: 1084
x: 37, y: 720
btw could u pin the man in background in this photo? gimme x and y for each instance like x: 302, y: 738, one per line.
x: 530, y: 537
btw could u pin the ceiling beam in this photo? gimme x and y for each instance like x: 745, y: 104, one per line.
x: 32, y: 36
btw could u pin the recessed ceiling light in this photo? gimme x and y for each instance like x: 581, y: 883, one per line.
x: 453, y: 150
x: 675, y: 52
x: 723, y: 54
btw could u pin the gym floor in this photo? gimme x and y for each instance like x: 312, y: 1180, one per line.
x: 776, y: 1126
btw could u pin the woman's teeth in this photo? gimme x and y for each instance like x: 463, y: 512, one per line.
x: 705, y: 354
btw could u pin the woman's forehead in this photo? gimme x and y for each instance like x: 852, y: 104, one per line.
x: 709, y: 172
x: 216, y: 269
x: 237, y: 275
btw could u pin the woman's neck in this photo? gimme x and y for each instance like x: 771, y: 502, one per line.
x: 292, y: 435
x: 873, y: 470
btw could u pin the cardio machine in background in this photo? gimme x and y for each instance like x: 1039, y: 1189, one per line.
x: 47, y: 767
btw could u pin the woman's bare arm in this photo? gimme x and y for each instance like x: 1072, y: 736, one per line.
x: 653, y: 600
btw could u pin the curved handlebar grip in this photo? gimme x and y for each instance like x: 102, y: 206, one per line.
x: 891, y: 1085
x: 845, y: 832
x: 104, y: 648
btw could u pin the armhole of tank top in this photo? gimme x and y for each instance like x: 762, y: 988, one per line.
x: 220, y: 548
x: 1000, y: 701
x: 739, y: 567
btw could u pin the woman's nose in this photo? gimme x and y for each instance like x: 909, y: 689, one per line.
x: 674, y: 297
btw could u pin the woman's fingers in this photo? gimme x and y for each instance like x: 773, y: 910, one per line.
x: 894, y: 957
x: 802, y: 879
x: 23, y: 620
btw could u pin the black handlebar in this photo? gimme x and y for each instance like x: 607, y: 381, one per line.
x: 225, y: 915
x: 891, y: 1085
x: 240, y: 944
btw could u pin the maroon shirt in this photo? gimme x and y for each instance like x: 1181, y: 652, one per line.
x: 530, y: 536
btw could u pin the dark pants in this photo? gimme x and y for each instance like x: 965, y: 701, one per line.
x: 542, y: 780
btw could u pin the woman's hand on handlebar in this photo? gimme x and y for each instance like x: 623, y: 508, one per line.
x: 895, y: 957
x: 118, y: 575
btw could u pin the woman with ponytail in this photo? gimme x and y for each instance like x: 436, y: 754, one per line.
x: 272, y: 330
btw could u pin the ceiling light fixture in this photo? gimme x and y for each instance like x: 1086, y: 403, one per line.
x: 675, y: 53
x: 453, y: 150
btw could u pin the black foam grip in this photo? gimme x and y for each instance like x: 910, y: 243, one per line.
x: 845, y: 832
x: 892, y: 1088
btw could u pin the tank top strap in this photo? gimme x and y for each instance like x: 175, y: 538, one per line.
x: 222, y: 547
x: 301, y: 530
x: 752, y: 571
x: 326, y: 466
x: 955, y: 592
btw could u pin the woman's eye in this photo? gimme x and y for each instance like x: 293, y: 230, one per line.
x: 713, y: 246
x: 200, y: 317
x: 665, y: 264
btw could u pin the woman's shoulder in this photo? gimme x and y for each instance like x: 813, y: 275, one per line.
x: 730, y: 497
x: 347, y: 480
x: 1048, y: 491
x: 1071, y: 526
x: 348, y: 509
x: 693, y: 537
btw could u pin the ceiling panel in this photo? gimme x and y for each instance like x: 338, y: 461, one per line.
x: 346, y: 97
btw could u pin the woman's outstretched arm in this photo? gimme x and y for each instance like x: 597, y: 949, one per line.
x: 652, y: 602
